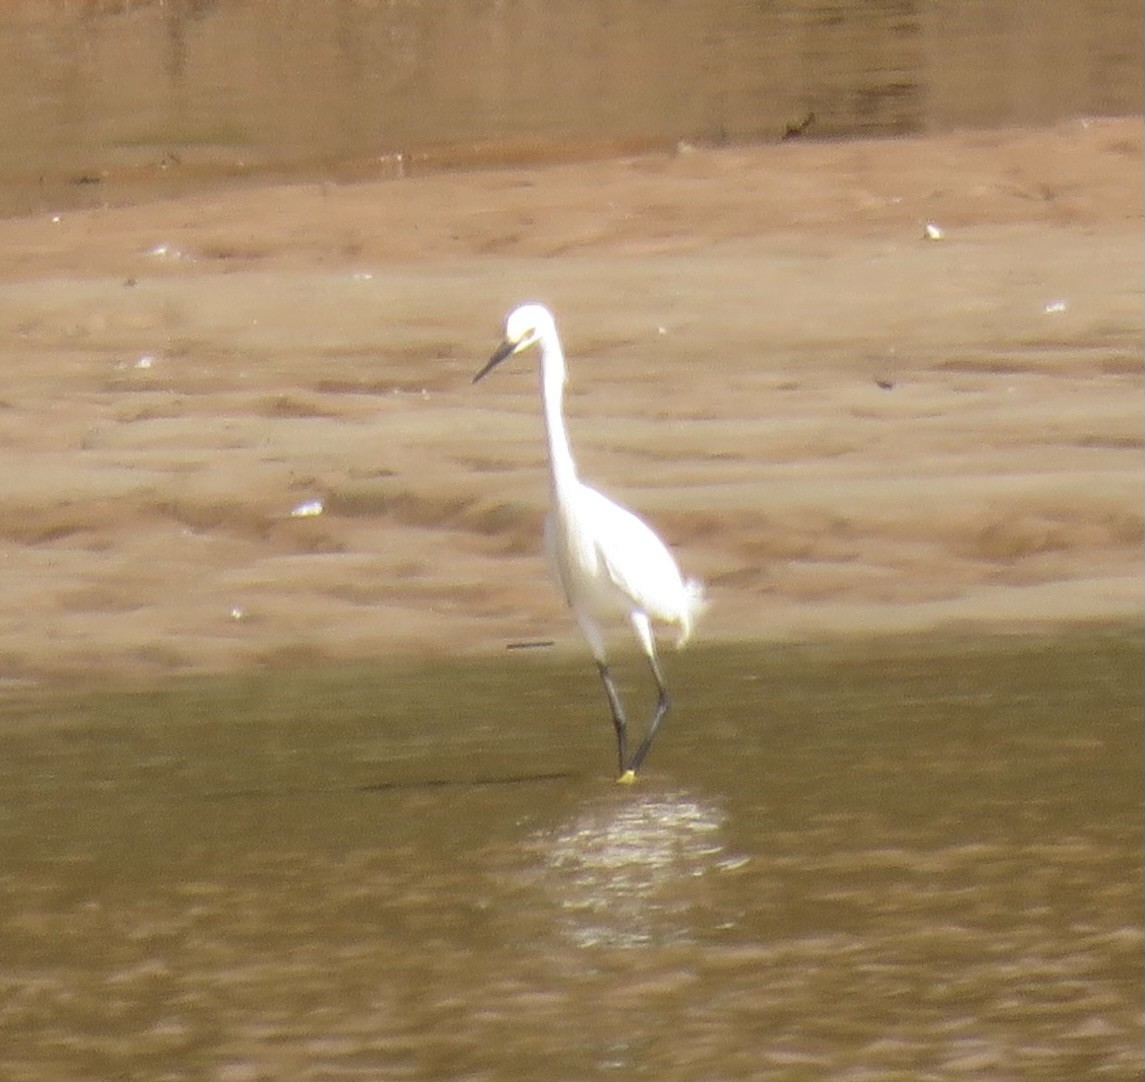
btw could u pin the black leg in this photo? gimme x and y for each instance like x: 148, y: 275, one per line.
x: 618, y: 719
x: 662, y: 704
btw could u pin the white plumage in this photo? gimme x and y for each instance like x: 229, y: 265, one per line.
x: 608, y: 562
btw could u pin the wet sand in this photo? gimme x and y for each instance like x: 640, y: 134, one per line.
x: 841, y: 425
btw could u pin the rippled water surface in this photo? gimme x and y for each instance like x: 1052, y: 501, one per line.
x: 116, y: 101
x: 913, y: 858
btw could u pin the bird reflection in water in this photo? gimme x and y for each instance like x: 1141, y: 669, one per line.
x: 633, y: 873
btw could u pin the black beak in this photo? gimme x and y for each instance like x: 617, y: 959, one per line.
x: 504, y: 350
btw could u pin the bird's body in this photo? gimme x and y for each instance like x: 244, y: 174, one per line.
x: 608, y: 562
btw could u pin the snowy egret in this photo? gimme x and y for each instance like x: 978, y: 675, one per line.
x: 607, y: 561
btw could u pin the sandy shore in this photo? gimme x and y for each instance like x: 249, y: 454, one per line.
x: 841, y: 425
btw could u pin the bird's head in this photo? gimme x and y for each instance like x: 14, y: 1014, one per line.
x: 524, y: 327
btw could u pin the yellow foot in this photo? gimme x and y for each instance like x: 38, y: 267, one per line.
x: 627, y: 778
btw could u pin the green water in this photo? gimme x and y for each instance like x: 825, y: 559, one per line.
x: 121, y: 101
x: 906, y: 858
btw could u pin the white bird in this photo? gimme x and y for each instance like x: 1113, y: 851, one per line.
x: 607, y: 561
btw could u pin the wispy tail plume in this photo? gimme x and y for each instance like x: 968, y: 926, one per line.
x: 695, y: 602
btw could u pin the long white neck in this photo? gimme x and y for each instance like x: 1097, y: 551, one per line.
x: 562, y: 468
